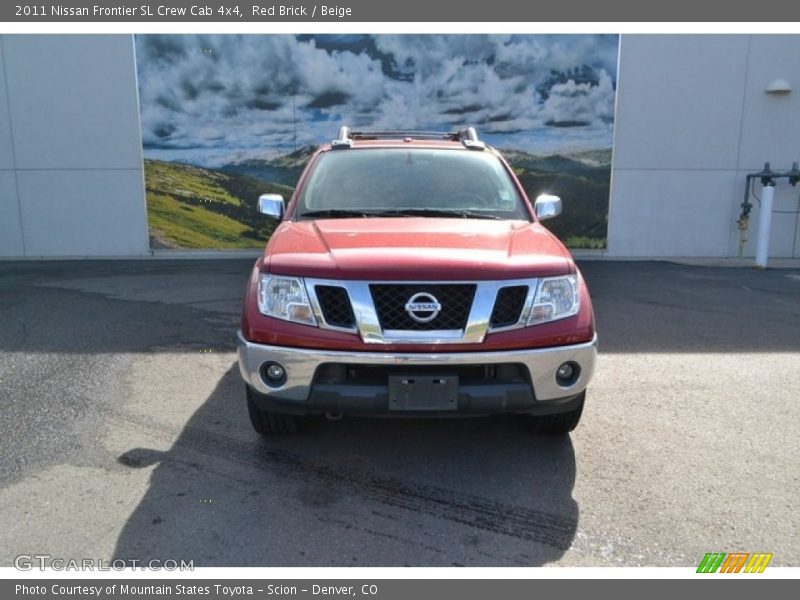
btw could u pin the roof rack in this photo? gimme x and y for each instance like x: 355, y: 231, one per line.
x: 467, y: 136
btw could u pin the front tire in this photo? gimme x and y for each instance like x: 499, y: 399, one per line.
x: 268, y: 423
x: 560, y: 423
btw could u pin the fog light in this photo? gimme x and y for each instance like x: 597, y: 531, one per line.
x: 567, y: 373
x: 275, y: 372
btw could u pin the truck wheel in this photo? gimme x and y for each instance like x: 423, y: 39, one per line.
x: 270, y: 423
x: 559, y: 423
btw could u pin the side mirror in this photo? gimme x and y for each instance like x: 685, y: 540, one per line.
x: 547, y: 206
x: 271, y: 205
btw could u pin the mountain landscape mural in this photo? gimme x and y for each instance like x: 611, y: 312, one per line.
x: 226, y: 118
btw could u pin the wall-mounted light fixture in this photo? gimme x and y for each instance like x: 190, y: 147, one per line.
x: 778, y: 86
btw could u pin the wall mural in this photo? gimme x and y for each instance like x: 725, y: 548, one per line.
x: 226, y: 118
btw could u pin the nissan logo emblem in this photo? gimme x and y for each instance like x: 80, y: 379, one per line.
x: 423, y: 307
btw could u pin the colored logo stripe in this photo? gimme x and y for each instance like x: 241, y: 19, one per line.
x: 711, y: 562
x: 758, y: 562
x: 734, y: 562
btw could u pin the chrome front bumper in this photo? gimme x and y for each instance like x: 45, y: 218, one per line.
x: 300, y: 365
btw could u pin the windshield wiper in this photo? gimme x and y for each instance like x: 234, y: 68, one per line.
x: 334, y: 213
x: 436, y: 212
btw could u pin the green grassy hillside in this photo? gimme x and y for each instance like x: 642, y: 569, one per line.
x: 582, y: 180
x: 284, y: 169
x: 193, y: 207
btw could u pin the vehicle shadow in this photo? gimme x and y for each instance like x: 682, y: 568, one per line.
x: 358, y: 492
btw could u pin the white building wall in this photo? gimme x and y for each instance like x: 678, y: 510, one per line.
x: 71, y: 181
x: 10, y: 227
x: 692, y: 120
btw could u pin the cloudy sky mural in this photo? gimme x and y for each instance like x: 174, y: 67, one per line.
x: 212, y: 99
x: 226, y: 117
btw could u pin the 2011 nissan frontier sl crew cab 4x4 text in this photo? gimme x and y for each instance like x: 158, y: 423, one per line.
x: 410, y: 276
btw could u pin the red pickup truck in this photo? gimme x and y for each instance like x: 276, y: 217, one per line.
x: 410, y: 276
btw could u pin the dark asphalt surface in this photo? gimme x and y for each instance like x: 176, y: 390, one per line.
x: 124, y: 434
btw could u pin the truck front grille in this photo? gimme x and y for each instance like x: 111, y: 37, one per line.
x: 508, y: 306
x: 420, y: 312
x: 335, y: 305
x: 390, y: 304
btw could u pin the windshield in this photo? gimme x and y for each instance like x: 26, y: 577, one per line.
x: 413, y: 182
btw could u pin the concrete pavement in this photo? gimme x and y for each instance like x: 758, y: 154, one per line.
x: 124, y: 434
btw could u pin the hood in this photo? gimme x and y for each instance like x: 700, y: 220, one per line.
x: 411, y: 248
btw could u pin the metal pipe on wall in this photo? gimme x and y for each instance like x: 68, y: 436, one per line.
x: 765, y: 223
x: 768, y: 178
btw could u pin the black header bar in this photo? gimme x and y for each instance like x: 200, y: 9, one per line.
x: 441, y: 11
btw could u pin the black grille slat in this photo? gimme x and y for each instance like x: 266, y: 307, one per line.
x: 390, y: 304
x: 335, y: 305
x: 508, y: 306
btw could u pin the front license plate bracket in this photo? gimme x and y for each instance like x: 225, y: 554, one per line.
x: 423, y: 392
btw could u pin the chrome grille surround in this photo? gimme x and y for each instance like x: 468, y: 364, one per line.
x: 367, y: 323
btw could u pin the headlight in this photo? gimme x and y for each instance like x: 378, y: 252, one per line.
x: 556, y: 298
x: 285, y: 298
